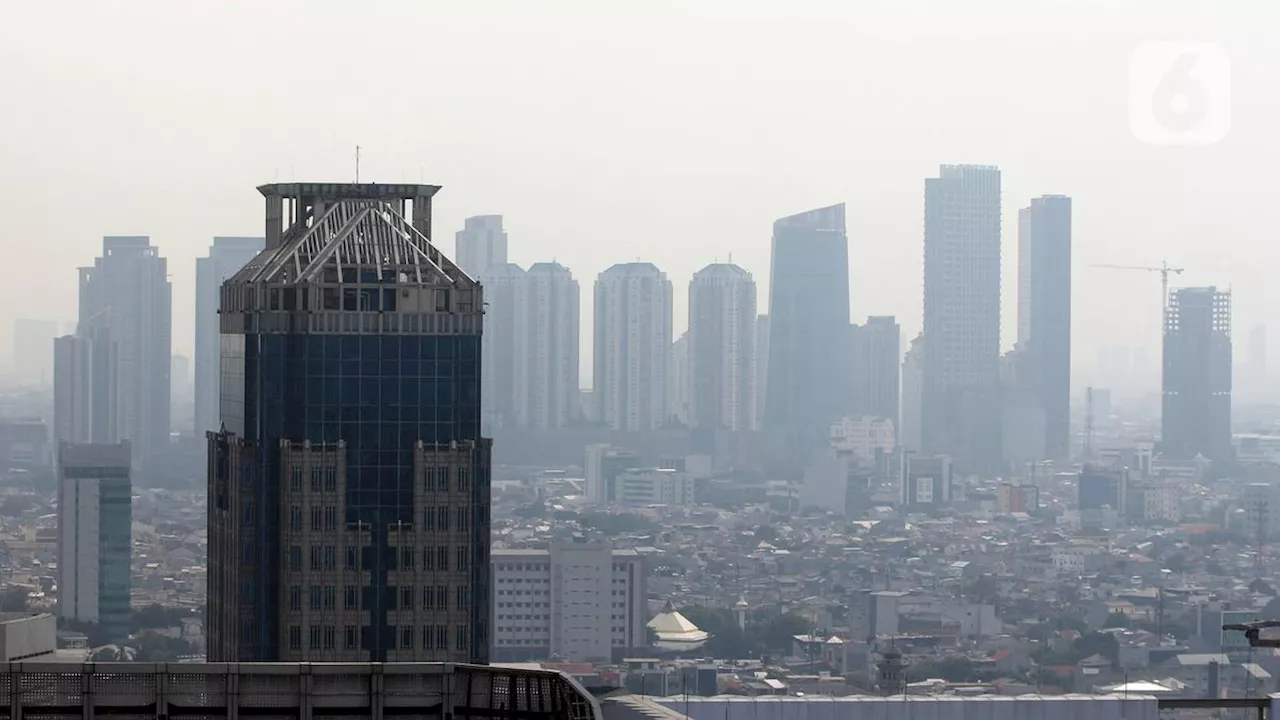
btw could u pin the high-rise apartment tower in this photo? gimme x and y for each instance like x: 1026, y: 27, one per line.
x: 632, y: 346
x: 722, y: 348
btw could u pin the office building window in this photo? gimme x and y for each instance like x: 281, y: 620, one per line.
x: 295, y: 637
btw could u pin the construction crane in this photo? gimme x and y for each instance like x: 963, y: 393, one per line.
x: 1253, y: 632
x: 1164, y: 271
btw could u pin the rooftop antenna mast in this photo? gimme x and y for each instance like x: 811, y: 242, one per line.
x: 357, y: 164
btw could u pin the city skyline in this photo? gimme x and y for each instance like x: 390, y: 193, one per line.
x: 1024, y: 110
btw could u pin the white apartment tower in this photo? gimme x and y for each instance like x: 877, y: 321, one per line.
x: 632, y: 346
x: 95, y: 526
x: 722, y: 348
x: 481, y: 244
x: 549, y: 381
x: 503, y: 346
x: 530, y: 358
x: 576, y: 601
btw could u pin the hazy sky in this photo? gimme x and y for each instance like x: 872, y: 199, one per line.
x: 607, y: 131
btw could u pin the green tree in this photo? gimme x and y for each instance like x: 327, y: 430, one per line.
x: 154, y: 647
x: 1117, y: 620
x: 780, y: 630
x: 1096, y: 643
x: 159, y: 617
x: 951, y: 669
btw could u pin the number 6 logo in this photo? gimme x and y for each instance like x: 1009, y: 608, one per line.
x: 1179, y: 93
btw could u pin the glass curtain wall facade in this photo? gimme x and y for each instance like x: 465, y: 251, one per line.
x: 349, y: 491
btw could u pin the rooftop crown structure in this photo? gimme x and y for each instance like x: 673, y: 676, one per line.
x: 349, y: 483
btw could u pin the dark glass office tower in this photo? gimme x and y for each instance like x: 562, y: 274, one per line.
x: 808, y: 385
x: 349, y: 484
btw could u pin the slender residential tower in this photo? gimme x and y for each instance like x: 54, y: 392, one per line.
x: 349, y: 486
x: 632, y: 346
x: 548, y: 382
x: 722, y: 348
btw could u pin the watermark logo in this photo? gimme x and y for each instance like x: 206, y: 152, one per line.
x: 1179, y: 93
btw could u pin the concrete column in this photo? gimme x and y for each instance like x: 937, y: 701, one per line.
x: 274, y: 221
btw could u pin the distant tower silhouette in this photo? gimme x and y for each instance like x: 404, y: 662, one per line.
x: 740, y: 612
x: 891, y: 673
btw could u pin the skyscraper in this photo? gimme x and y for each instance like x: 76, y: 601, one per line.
x: 678, y: 381
x: 85, y: 386
x: 33, y: 351
x: 128, y: 288
x: 530, y: 373
x: 808, y: 377
x: 549, y: 379
x: 877, y: 357
x: 95, y: 536
x: 960, y: 404
x: 722, y: 348
x: 349, y: 487
x: 481, y: 244
x: 506, y: 333
x: 1196, y: 418
x: 632, y: 346
x: 1044, y: 314
x: 909, y: 437
x: 761, y: 372
x: 226, y: 256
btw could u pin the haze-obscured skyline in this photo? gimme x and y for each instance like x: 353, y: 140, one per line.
x: 605, y: 132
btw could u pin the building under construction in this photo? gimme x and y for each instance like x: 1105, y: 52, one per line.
x: 1196, y: 417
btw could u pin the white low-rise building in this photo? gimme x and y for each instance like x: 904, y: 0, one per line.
x: 863, y: 436
x: 654, y: 486
x: 576, y: 601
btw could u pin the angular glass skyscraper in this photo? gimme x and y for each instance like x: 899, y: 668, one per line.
x: 809, y: 374
x: 349, y: 486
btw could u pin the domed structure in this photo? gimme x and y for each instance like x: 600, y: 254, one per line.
x: 675, y: 633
